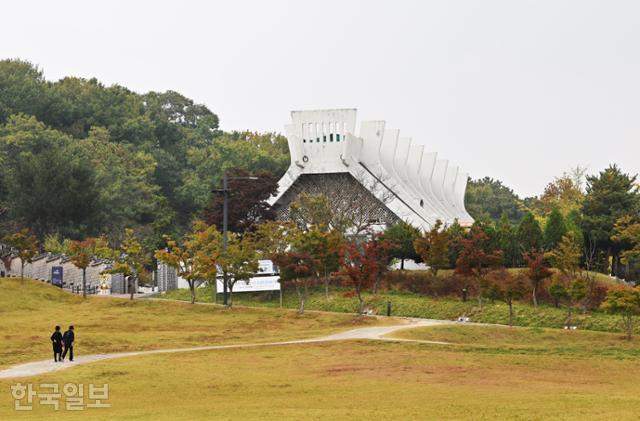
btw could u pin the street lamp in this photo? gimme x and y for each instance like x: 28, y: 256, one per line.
x: 225, y: 222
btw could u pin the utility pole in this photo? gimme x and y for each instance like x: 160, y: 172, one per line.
x: 225, y: 226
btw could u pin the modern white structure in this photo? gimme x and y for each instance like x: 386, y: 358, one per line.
x: 406, y: 181
x: 267, y: 279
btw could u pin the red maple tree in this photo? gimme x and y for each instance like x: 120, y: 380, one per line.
x: 362, y: 263
x: 476, y: 258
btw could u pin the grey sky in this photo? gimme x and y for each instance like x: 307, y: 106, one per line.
x: 517, y: 90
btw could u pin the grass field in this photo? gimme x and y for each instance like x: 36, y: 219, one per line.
x: 29, y: 311
x: 356, y: 380
x: 488, y: 372
x: 529, y: 341
x: 414, y: 305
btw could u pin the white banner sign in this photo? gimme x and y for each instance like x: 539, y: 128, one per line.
x: 259, y: 283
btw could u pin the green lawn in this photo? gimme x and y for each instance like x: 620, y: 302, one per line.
x: 414, y: 305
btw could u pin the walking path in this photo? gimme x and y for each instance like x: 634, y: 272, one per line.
x: 378, y: 333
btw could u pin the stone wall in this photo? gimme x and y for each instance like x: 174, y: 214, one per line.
x: 40, y: 269
x: 167, y: 277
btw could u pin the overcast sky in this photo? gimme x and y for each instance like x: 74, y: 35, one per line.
x: 516, y: 90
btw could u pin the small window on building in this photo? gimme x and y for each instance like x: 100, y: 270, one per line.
x: 304, y: 140
x: 324, y: 138
x: 421, y: 203
x: 338, y: 137
x: 330, y: 137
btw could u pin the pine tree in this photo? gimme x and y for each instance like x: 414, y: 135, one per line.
x: 507, y: 241
x: 402, y: 235
x: 573, y: 222
x: 611, y: 195
x: 554, y: 229
x: 529, y: 233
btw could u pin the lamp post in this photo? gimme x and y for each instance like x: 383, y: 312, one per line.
x: 225, y: 222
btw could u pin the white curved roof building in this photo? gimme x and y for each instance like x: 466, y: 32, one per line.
x: 406, y: 181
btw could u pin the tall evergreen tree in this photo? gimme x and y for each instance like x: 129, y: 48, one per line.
x: 554, y: 229
x: 529, y: 233
x: 611, y: 195
x: 507, y: 241
x: 402, y: 235
x: 573, y: 223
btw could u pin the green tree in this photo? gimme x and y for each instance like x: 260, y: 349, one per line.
x: 22, y: 89
x: 240, y: 262
x: 529, y: 233
x: 309, y: 210
x: 325, y: 246
x: 626, y: 303
x: 237, y: 155
x: 130, y: 260
x: 487, y: 226
x: 566, y: 256
x: 80, y: 158
x: 52, y: 244
x: 627, y: 232
x: 196, y: 258
x: 81, y: 253
x: 24, y: 245
x: 402, y: 235
x: 563, y: 193
x: 297, y: 269
x: 554, y: 229
x: 506, y: 287
x: 568, y: 290
x: 506, y: 236
x: 273, y: 237
x: 128, y: 196
x: 558, y: 292
x: 573, y: 223
x: 489, y: 198
x: 611, y: 195
x: 51, y: 188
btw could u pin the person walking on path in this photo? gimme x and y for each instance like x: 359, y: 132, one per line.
x: 68, y: 338
x: 56, y: 340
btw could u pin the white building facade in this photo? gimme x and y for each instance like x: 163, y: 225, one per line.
x: 407, y: 181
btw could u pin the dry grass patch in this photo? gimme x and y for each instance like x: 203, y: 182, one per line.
x: 522, y: 340
x: 30, y: 310
x: 356, y: 380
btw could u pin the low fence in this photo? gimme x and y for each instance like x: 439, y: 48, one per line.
x: 91, y: 290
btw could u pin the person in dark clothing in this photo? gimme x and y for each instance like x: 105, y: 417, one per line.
x: 56, y: 340
x: 68, y: 338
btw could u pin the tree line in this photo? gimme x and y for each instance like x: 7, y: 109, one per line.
x: 80, y: 159
x: 310, y: 252
x: 601, y: 211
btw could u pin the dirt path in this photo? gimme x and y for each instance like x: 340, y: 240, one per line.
x: 371, y: 333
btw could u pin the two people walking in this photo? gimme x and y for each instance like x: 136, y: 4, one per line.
x: 59, y: 340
